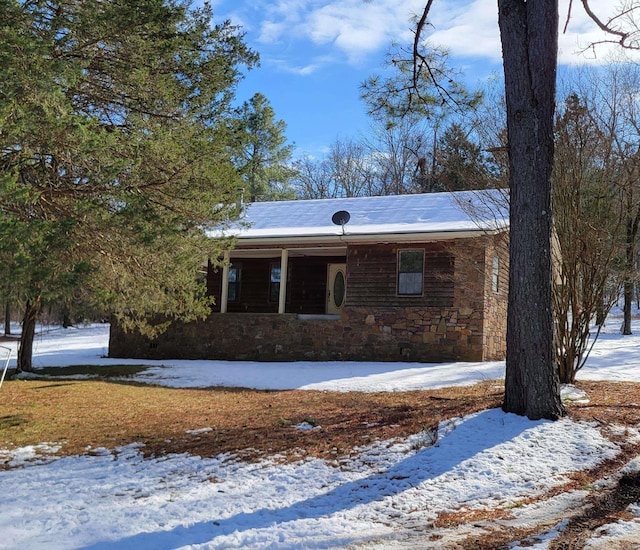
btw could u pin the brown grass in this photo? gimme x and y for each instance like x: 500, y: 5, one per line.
x: 83, y: 414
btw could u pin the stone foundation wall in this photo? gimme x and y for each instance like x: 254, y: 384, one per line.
x: 362, y: 334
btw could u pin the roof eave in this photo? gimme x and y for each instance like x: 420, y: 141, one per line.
x: 296, y: 240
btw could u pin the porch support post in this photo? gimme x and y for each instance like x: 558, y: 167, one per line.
x: 284, y: 261
x: 224, y: 294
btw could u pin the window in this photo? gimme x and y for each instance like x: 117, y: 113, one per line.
x: 410, y: 272
x: 274, y: 283
x: 495, y: 274
x: 233, y: 284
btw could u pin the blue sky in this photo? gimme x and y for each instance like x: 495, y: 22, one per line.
x: 315, y: 54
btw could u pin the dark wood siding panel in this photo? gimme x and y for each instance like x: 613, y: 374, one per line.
x: 254, y: 286
x: 438, y: 278
x: 307, y: 286
x: 372, y: 276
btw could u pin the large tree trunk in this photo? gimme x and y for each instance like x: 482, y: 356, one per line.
x: 529, y: 34
x: 626, y: 307
x: 7, y: 318
x: 25, y: 349
x: 632, y: 229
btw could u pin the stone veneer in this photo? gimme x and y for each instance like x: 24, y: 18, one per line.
x: 473, y: 329
x: 365, y: 334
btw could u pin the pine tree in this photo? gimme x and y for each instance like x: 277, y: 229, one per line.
x: 114, y: 153
x: 261, y: 153
x: 461, y: 163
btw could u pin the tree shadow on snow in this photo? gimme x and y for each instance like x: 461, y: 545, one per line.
x: 475, y: 435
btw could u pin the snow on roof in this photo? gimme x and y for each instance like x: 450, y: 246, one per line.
x: 462, y: 211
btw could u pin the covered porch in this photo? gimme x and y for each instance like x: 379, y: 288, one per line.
x: 250, y: 280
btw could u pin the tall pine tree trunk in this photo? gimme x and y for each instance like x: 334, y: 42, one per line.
x: 529, y: 35
x: 25, y: 349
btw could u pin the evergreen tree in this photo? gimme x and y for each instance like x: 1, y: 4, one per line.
x: 114, y: 153
x: 418, y: 84
x: 461, y: 163
x: 261, y: 153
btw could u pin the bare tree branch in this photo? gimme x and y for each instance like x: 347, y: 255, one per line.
x: 566, y: 23
x: 624, y: 38
x: 416, y: 41
x: 421, y: 62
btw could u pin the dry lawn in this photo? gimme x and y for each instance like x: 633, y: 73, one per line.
x: 87, y: 414
x: 99, y: 413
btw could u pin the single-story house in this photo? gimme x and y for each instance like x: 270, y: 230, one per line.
x: 419, y: 277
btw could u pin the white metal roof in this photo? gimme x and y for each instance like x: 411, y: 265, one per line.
x: 430, y: 213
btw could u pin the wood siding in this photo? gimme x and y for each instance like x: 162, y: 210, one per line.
x: 372, y: 272
x: 308, y: 284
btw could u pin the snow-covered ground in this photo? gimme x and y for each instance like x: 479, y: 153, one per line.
x: 386, y: 497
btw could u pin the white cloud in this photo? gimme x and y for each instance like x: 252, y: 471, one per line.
x: 281, y: 19
x: 358, y: 28
x: 354, y: 27
x: 470, y: 29
x: 467, y: 29
x: 285, y: 66
x: 310, y: 33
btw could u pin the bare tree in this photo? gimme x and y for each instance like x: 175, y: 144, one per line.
x: 402, y: 154
x: 616, y: 108
x: 352, y: 170
x: 346, y: 171
x: 313, y: 179
x: 529, y: 36
x: 589, y: 229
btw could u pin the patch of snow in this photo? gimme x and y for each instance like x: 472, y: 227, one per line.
x: 570, y: 393
x: 14, y: 458
x: 307, y: 426
x: 385, y: 496
x: 623, y: 534
x: 199, y: 431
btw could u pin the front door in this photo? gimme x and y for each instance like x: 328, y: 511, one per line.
x: 336, y: 287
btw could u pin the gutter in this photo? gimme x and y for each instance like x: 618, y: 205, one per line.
x: 334, y: 239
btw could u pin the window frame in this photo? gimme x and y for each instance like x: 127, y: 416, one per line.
x: 274, y: 286
x: 235, y: 295
x: 269, y: 290
x: 399, y: 273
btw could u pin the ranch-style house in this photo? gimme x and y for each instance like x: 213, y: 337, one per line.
x: 419, y: 277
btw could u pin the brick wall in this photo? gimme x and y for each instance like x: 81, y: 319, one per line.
x: 495, y: 309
